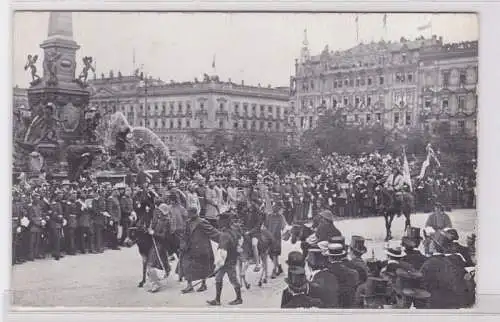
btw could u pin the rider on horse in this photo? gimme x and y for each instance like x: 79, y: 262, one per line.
x: 395, y: 183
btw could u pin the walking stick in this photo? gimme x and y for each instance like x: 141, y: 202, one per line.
x: 209, y: 276
x: 159, y: 258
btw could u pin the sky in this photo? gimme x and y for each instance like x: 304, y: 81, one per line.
x: 254, y: 47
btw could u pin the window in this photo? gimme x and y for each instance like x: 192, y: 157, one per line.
x: 312, y: 85
x: 202, y: 124
x: 408, y: 118
x: 427, y: 103
x: 141, y: 107
x: 410, y: 78
x: 356, y: 101
x: 351, y: 82
x: 446, y: 79
x: 344, y: 118
x: 311, y: 103
x: 379, y: 117
x: 261, y: 125
x: 335, y: 84
x: 461, y: 103
x: 461, y: 125
x: 179, y: 123
x: 150, y: 108
x: 235, y: 125
x: 278, y: 111
x: 381, y: 80
x: 156, y: 106
x: 369, y: 101
x: 346, y: 101
x: 253, y: 125
x: 444, y: 104
x: 163, y: 123
x: 202, y: 106
x: 171, y: 108
x: 356, y: 118
x: 339, y: 84
x: 463, y: 78
x: 262, y: 108
x: 163, y: 107
x: 346, y: 82
x: 171, y: 138
x: 254, y: 108
x: 221, y: 106
x: 171, y: 124
x: 245, y: 108
x: 188, y: 107
x: 188, y: 123
x: 368, y: 117
x: 141, y: 123
x: 221, y: 124
x: 269, y: 109
x: 396, y: 118
x: 269, y: 126
x: 310, y: 122
x: 157, y: 123
x: 358, y: 82
x: 179, y: 108
x: 369, y: 81
x: 302, y: 121
x: 236, y: 108
x: 278, y: 125
x: 245, y: 125
x: 334, y: 103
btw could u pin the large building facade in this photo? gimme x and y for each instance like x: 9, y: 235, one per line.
x: 173, y: 110
x: 384, y: 83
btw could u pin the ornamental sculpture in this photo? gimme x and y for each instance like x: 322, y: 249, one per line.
x: 32, y: 59
x: 51, y: 66
x: 82, y: 78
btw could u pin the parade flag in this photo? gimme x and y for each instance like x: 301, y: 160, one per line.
x: 406, y: 171
x: 430, y: 155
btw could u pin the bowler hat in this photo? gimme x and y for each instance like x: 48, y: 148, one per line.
x: 336, y: 249
x: 397, y: 252
x: 409, y: 283
x: 296, y: 259
x: 358, y: 244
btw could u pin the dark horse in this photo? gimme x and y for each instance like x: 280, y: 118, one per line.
x: 390, y: 205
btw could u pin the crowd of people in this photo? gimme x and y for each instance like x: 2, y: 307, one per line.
x: 233, y: 200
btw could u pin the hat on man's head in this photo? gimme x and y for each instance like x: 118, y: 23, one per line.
x: 412, y: 238
x: 358, y: 244
x: 327, y: 214
x: 451, y: 233
x: 336, y: 250
x: 296, y: 259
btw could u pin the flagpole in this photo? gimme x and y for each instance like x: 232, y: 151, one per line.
x: 357, y: 29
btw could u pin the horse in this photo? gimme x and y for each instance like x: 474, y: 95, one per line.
x: 139, y: 235
x: 299, y: 233
x: 390, y: 205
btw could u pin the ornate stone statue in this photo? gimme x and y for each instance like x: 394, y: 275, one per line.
x: 50, y: 63
x: 32, y: 59
x: 87, y: 62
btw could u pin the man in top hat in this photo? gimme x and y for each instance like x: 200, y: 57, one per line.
x: 411, y: 242
x: 457, y: 248
x: 357, y: 249
x: 443, y: 276
x: 300, y: 293
x: 436, y: 221
x: 325, y: 227
x: 348, y: 279
x: 228, y: 254
x: 374, y: 293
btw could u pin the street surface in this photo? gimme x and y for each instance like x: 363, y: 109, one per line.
x: 110, y: 279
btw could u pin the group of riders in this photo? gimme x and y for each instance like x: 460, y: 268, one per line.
x: 248, y: 220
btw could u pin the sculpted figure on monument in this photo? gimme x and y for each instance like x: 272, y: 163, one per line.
x: 51, y: 66
x: 32, y: 59
x: 87, y: 62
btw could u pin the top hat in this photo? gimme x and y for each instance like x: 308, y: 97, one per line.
x: 336, y: 249
x: 408, y: 283
x: 412, y: 238
x: 296, y: 270
x: 296, y: 259
x: 377, y: 287
x: 358, y: 244
x: 337, y: 240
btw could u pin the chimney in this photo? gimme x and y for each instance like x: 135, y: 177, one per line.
x: 229, y: 80
x: 243, y: 83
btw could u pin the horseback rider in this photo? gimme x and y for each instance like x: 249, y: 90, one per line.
x: 395, y: 183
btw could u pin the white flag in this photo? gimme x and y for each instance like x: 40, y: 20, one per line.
x: 425, y: 27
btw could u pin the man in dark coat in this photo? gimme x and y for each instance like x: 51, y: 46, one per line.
x: 71, y: 212
x: 326, y: 228
x: 357, y: 249
x: 114, y: 211
x: 98, y: 210
x: 197, y: 259
x: 126, y: 209
x: 411, y: 242
x: 85, y: 226
x: 35, y: 216
x: 56, y: 225
x: 348, y: 279
x: 444, y: 276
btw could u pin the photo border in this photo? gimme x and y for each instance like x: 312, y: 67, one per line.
x: 488, y: 286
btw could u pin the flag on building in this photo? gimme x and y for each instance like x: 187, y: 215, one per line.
x: 213, y: 62
x: 406, y: 171
x: 357, y: 28
x: 425, y: 27
x: 384, y: 20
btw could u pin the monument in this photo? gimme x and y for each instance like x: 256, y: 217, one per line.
x: 62, y: 127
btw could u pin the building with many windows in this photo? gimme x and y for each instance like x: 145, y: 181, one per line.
x: 379, y: 82
x: 174, y: 109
